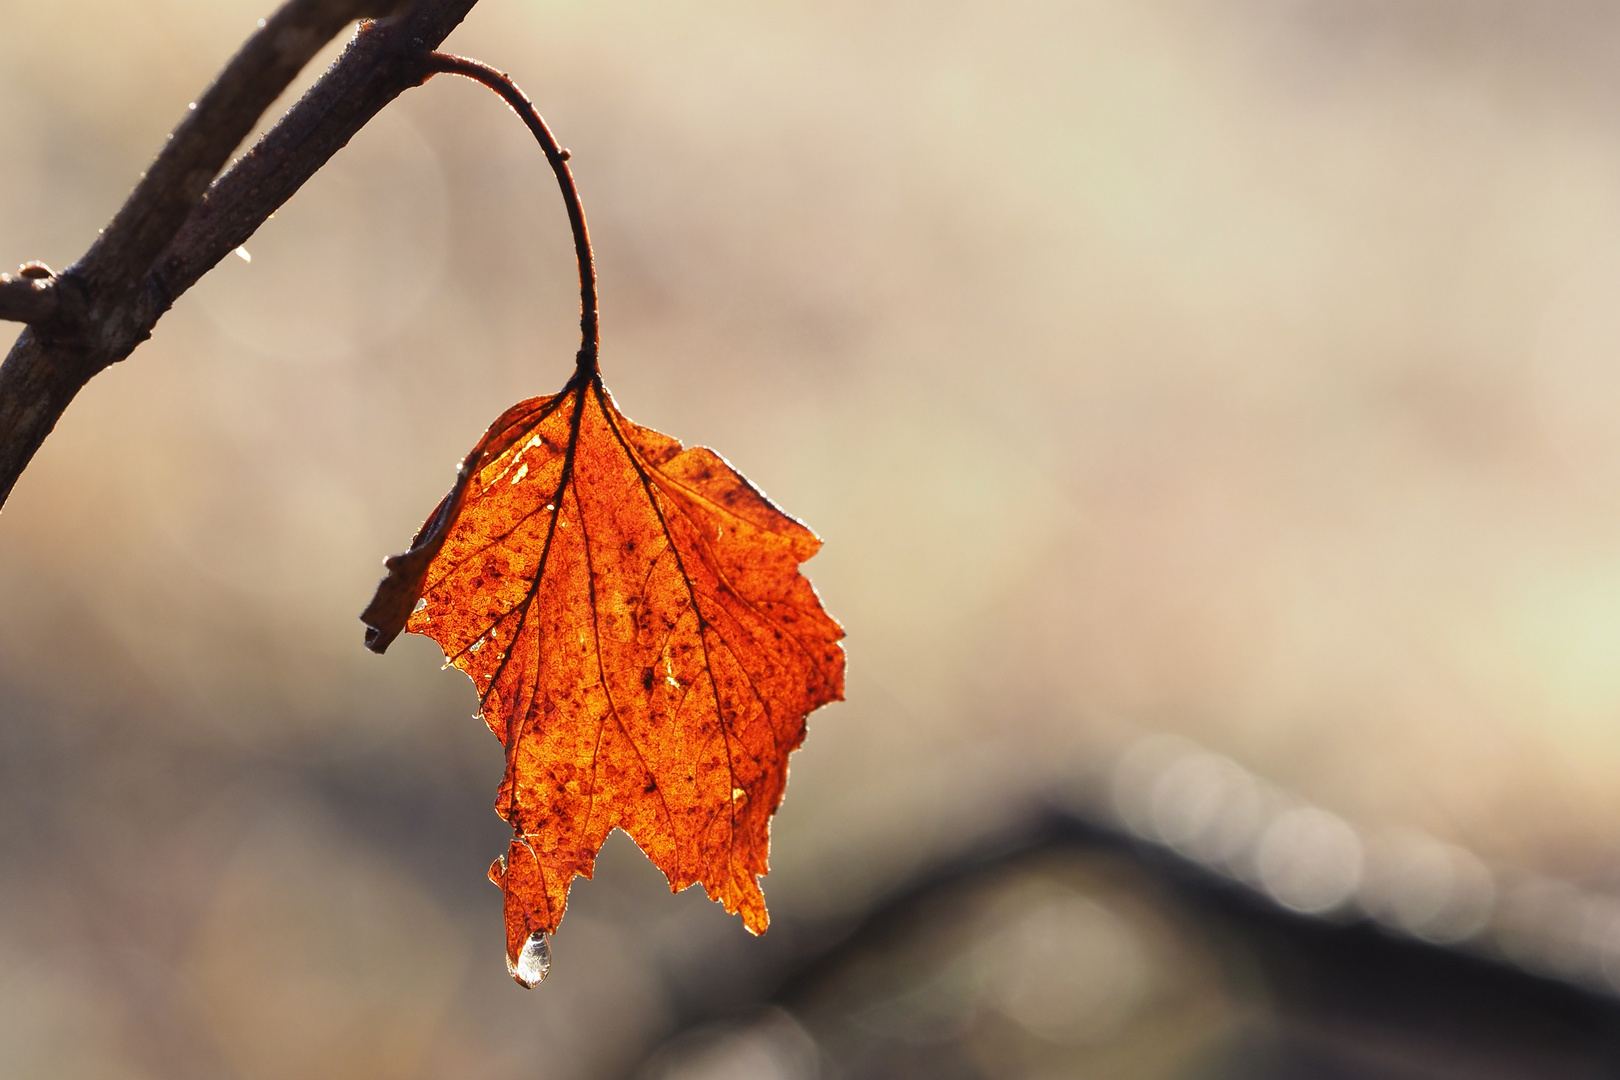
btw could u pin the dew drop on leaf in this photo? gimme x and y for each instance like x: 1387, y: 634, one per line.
x: 533, y: 962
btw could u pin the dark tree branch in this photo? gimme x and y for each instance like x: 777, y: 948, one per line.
x: 175, y: 226
x: 215, y: 125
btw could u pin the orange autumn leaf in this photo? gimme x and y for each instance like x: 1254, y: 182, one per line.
x: 642, y: 642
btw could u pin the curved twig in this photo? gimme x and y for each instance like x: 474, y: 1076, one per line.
x: 589, y: 328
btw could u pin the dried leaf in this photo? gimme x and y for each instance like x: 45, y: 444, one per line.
x: 643, y: 644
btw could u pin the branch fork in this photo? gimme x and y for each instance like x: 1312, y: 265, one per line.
x: 30, y: 295
x: 180, y: 220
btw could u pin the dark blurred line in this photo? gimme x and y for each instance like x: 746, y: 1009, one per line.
x: 1349, y: 999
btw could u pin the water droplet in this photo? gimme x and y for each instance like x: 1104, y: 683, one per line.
x: 420, y: 604
x: 534, y: 962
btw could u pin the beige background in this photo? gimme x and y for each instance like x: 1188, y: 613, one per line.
x: 1249, y: 371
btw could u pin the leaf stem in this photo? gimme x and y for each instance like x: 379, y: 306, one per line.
x: 590, y: 336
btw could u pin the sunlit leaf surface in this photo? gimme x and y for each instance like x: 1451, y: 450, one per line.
x: 643, y: 644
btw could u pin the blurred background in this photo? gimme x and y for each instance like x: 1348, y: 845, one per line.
x: 1211, y: 411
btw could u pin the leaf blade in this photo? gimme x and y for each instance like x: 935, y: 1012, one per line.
x: 632, y: 614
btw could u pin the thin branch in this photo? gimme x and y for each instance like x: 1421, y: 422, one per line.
x: 213, y: 127
x: 30, y: 295
x: 175, y: 226
x: 502, y: 84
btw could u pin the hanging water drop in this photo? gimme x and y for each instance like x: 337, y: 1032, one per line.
x: 534, y: 962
